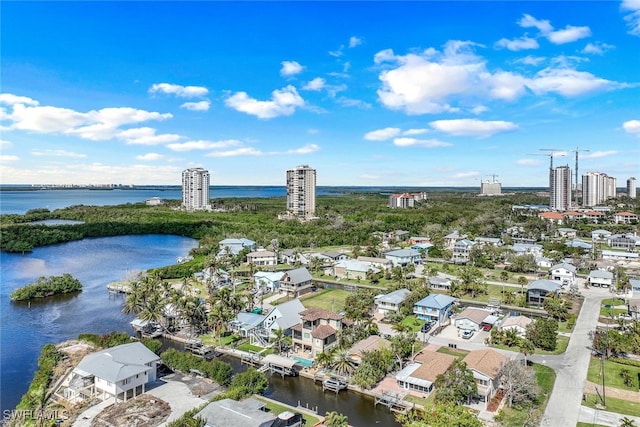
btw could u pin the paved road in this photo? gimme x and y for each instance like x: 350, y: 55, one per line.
x: 597, y: 417
x: 571, y: 368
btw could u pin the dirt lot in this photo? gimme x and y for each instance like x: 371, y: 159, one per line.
x: 143, y: 411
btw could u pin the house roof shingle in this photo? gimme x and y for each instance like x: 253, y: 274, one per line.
x: 315, y: 313
x: 322, y: 331
x: 486, y: 361
x: 432, y: 364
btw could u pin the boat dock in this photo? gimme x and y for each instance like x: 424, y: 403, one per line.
x: 197, y: 348
x: 116, y: 288
x: 334, y: 384
x: 272, y: 362
x: 393, y: 400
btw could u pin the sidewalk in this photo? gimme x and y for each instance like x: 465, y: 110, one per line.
x: 598, y: 417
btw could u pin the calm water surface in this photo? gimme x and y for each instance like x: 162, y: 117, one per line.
x: 25, y: 329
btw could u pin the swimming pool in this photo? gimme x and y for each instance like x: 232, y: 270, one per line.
x: 304, y: 362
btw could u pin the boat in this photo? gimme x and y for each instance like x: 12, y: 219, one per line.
x: 334, y: 384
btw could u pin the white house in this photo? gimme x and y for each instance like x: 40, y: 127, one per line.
x: 381, y: 263
x: 353, y: 269
x: 283, y: 316
x: 267, y: 280
x: 403, y: 257
x: 600, y: 278
x: 486, y: 365
x: 296, y: 282
x: 625, y: 218
x: 118, y: 372
x: 600, y: 235
x: 472, y: 319
x: 391, y: 302
x: 440, y: 283
x: 262, y: 258
x: 232, y: 247
x: 462, y: 251
x: 516, y: 323
x: 563, y: 273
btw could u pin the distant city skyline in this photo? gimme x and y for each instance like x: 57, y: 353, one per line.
x: 415, y: 94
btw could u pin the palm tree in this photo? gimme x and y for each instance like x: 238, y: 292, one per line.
x: 278, y: 338
x: 324, y: 359
x: 343, y: 364
x: 627, y: 422
x: 526, y: 348
x: 334, y: 419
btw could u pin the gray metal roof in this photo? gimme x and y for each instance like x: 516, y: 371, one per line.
x: 545, y: 285
x: 230, y: 413
x: 395, y: 297
x: 436, y: 301
x: 601, y: 274
x: 287, y: 314
x: 299, y: 275
x: 403, y: 253
x: 564, y: 265
x: 117, y: 363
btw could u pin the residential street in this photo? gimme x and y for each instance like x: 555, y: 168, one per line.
x: 571, y: 367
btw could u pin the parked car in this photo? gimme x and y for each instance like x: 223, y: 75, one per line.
x: 427, y: 326
x: 486, y: 327
x: 467, y: 334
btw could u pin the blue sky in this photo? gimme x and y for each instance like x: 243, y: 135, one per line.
x: 368, y: 93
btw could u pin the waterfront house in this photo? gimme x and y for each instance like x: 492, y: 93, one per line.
x: 420, y: 375
x: 404, y: 257
x: 216, y: 277
x: 262, y: 258
x: 620, y: 255
x: 267, y: 281
x: 391, y: 302
x: 600, y: 278
x: 516, y: 323
x: 296, y: 282
x: 579, y: 243
x: 488, y: 241
x: 435, y: 307
x: 244, y: 324
x: 232, y: 413
x: 472, y: 319
x: 372, y: 342
x: 486, y: 365
x: 353, y: 269
x: 538, y: 290
x: 563, y: 273
x: 567, y: 233
x: 527, y: 249
x: 317, y: 330
x: 283, y: 316
x: 232, y: 247
x: 119, y: 372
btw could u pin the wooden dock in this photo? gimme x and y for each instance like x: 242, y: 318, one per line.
x: 393, y: 400
x: 118, y: 288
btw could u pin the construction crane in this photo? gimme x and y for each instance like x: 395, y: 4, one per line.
x: 553, y: 152
x: 577, y: 151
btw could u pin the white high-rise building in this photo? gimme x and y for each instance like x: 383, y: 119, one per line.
x: 596, y: 188
x: 631, y: 188
x: 560, y: 188
x: 195, y: 189
x: 301, y: 191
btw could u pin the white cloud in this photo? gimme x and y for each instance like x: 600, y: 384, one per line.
x: 45, y: 119
x: 244, y: 151
x: 203, y: 145
x: 515, y: 45
x: 596, y: 48
x: 410, y: 132
x: 598, y: 154
x: 316, y: 84
x: 469, y: 174
x: 283, y: 103
x: 146, y: 136
x: 313, y: 131
x: 528, y: 162
x: 196, y: 106
x: 473, y: 127
x: 354, y: 41
x: 58, y: 153
x: 8, y: 158
x: 5, y: 144
x: 531, y: 60
x: 11, y: 99
x: 632, y: 127
x: 290, y: 68
x: 307, y: 149
x: 180, y: 91
x: 429, y: 143
x: 479, y: 109
x: 150, y: 157
x: 567, y: 82
x: 633, y: 15
x: 382, y: 134
x: 569, y: 34
x: 349, y: 102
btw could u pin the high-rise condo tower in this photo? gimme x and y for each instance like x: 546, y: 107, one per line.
x: 301, y: 191
x: 596, y: 188
x: 195, y: 189
x: 560, y: 188
x: 631, y: 188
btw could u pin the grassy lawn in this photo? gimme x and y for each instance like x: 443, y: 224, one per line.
x: 615, y: 405
x: 516, y: 417
x: 328, y: 299
x: 561, y: 347
x: 251, y: 348
x: 212, y: 339
x: 608, y: 312
x: 460, y: 354
x: 277, y: 409
x: 613, y: 301
x: 612, y: 376
x: 413, y: 323
x: 426, y: 402
x: 564, y: 327
x: 589, y: 425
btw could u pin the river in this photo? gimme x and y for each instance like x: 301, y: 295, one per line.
x: 25, y: 329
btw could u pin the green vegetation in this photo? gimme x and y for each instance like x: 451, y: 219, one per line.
x: 619, y: 406
x: 278, y: 409
x: 459, y: 354
x: 440, y: 415
x: 614, y: 374
x: 412, y: 323
x: 530, y: 414
x: 113, y: 339
x: 36, y: 396
x: 46, y: 287
x: 327, y: 299
x: 220, y: 372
